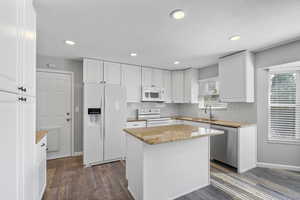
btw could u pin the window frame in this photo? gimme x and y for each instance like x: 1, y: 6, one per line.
x: 270, y: 136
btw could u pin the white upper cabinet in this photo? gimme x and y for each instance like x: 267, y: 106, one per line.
x: 18, y: 47
x: 131, y: 79
x: 9, y: 43
x: 157, y: 78
x: 112, y: 73
x: 28, y: 63
x: 191, y: 86
x: 147, y: 76
x: 92, y: 71
x: 236, y: 74
x: 177, y: 86
x: 167, y: 85
x: 152, y: 77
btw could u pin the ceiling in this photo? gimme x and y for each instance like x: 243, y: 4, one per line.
x: 112, y: 29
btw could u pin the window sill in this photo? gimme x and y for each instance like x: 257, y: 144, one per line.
x: 274, y: 141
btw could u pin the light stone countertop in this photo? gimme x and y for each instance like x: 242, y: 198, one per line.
x: 172, y: 133
x: 39, y: 135
x: 213, y: 122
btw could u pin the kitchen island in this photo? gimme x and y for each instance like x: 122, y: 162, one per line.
x: 167, y: 162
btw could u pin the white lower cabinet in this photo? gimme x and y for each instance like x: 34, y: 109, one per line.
x: 41, y: 169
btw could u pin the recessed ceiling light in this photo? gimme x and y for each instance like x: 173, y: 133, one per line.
x: 235, y: 37
x: 133, y: 54
x: 176, y: 62
x: 177, y: 14
x: 69, y: 42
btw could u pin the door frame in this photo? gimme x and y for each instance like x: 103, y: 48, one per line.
x: 72, y: 99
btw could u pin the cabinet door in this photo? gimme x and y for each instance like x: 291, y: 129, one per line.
x: 187, y: 86
x: 236, y: 73
x: 131, y: 79
x: 147, y: 76
x: 28, y: 145
x: 180, y: 86
x: 92, y: 71
x: 9, y: 45
x: 29, y: 49
x: 112, y: 73
x: 191, y: 86
x: 157, y: 78
x: 10, y: 172
x: 167, y: 85
x: 177, y: 87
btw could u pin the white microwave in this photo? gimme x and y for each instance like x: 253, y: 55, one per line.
x: 154, y: 94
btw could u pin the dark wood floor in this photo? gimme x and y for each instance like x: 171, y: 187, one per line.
x: 68, y: 180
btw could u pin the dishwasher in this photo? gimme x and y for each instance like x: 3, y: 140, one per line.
x: 224, y: 147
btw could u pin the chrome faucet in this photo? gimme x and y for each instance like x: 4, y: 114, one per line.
x: 210, y: 111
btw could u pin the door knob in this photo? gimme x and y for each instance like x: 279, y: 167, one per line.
x: 69, y: 119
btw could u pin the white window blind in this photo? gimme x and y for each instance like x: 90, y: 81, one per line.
x: 284, y: 106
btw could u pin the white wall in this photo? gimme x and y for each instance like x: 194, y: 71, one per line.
x: 76, y: 67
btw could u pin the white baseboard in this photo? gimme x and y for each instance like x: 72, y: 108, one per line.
x: 278, y: 166
x: 77, y: 153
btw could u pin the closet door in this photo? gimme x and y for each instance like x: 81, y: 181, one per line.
x: 9, y: 45
x: 29, y: 49
x: 10, y: 147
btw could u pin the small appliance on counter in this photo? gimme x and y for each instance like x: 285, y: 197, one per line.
x: 152, y: 117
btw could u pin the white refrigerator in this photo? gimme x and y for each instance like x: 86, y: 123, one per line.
x: 104, y: 120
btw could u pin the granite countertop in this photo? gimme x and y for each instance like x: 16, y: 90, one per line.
x: 213, y: 122
x: 164, y: 134
x: 39, y: 135
x: 203, y: 120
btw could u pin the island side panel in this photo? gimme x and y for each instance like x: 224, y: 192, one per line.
x: 176, y: 168
x: 247, y: 148
x: 134, y: 166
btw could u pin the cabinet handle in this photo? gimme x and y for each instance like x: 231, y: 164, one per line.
x: 24, y: 90
x: 20, y: 98
x: 43, y: 144
x: 25, y: 99
x: 20, y: 88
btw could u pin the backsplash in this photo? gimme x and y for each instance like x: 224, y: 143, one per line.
x: 165, y: 109
x: 239, y: 112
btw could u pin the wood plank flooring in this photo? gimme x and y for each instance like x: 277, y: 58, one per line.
x: 68, y: 180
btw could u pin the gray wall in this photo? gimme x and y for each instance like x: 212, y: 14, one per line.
x: 76, y: 67
x: 286, y: 154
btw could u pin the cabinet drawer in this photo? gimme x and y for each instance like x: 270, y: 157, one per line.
x: 137, y: 124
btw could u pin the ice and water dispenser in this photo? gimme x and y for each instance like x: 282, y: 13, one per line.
x: 94, y: 115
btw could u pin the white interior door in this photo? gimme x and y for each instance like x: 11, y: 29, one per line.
x: 54, y: 106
